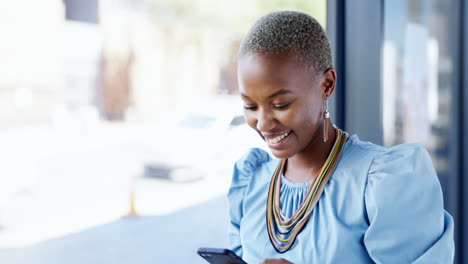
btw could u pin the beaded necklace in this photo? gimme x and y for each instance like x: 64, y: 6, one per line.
x: 283, y: 232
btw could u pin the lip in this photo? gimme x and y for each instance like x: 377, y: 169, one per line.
x: 279, y: 144
x: 273, y: 135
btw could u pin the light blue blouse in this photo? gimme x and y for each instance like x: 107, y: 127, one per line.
x: 379, y: 206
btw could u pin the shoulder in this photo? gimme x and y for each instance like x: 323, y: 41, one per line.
x: 381, y: 157
x: 405, y: 170
x: 252, y: 159
x: 358, y: 156
x: 403, y: 197
x: 246, y: 166
x: 243, y: 172
x: 384, y: 168
x: 404, y: 158
x: 359, y: 148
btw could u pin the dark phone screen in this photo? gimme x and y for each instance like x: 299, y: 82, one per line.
x: 220, y: 256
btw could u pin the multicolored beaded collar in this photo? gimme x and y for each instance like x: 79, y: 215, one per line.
x: 283, y: 232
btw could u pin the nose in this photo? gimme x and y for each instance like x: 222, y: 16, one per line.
x: 265, y: 121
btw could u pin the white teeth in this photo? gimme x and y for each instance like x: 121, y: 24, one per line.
x: 278, y: 138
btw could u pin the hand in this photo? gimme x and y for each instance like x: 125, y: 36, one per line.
x: 276, y: 261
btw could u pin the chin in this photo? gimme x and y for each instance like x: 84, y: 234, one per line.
x: 281, y: 154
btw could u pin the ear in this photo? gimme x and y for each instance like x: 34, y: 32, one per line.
x: 329, y: 82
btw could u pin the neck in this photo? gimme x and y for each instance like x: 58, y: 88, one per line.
x: 306, y: 164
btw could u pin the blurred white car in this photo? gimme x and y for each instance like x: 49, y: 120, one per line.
x: 202, y: 140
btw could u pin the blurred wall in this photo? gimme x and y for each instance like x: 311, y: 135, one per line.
x: 158, y: 63
x: 31, y: 72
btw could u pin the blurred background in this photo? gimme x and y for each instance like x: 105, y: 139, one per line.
x: 120, y: 120
x: 113, y: 112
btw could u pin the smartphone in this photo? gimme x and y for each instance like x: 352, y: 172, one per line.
x: 220, y: 256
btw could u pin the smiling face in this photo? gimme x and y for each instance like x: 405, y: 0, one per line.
x: 283, y: 100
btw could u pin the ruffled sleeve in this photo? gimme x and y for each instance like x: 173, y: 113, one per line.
x: 403, y: 199
x: 244, y: 169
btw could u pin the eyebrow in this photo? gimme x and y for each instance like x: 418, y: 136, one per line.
x: 280, y: 92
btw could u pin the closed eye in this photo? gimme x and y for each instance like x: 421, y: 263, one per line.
x: 251, y: 108
x: 282, y: 107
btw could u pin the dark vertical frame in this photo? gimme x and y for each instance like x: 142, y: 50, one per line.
x: 453, y: 194
x: 356, y: 35
x: 463, y: 143
x: 363, y: 35
x: 336, y: 32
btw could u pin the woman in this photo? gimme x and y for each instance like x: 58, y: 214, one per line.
x: 327, y: 197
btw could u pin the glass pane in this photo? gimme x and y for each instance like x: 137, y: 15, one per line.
x: 136, y: 114
x: 417, y: 73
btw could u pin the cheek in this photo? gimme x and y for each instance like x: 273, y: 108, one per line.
x: 307, y: 119
x: 288, y: 118
x: 250, y: 120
